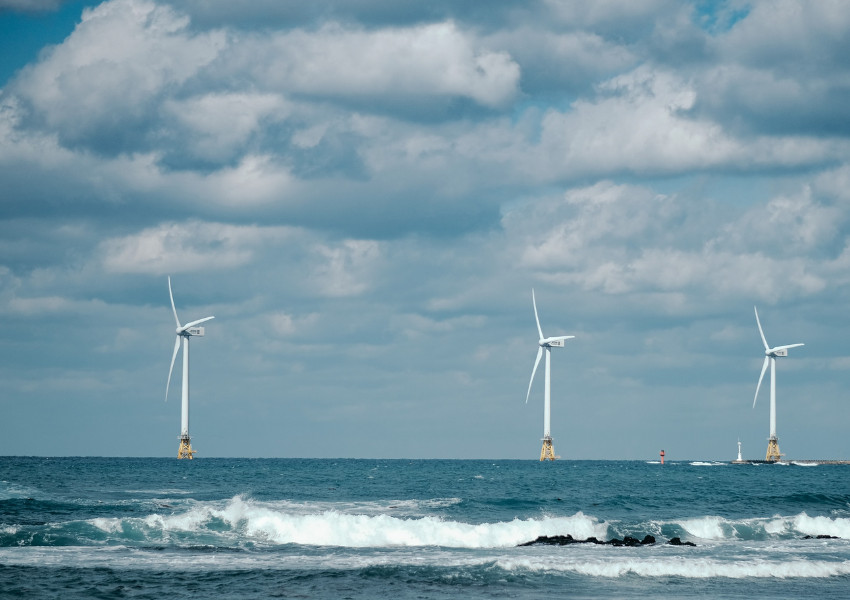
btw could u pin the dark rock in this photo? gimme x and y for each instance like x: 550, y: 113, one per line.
x: 678, y: 542
x: 821, y: 536
x: 626, y: 541
x: 554, y: 540
x: 563, y: 540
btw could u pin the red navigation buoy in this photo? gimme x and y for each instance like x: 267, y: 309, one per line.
x: 662, y: 456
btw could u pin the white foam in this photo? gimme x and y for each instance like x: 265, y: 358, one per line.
x: 699, y: 568
x: 332, y: 528
x: 707, y: 528
x: 593, y: 561
x: 822, y: 526
x: 109, y: 525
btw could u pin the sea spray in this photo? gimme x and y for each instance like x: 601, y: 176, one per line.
x: 332, y: 528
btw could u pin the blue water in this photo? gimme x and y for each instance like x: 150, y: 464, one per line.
x: 283, y: 528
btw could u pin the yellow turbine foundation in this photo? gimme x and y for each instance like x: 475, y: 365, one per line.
x: 185, y: 450
x: 773, y: 454
x: 547, y: 451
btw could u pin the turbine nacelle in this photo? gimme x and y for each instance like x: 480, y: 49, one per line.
x: 769, y: 353
x: 543, y: 343
x: 183, y: 331
x: 780, y: 351
x: 554, y: 342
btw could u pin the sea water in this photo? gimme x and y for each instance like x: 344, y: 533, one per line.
x: 261, y: 528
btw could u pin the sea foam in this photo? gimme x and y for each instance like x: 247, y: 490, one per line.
x: 332, y: 528
x: 687, y: 567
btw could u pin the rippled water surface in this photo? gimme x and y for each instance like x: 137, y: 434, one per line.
x: 258, y: 528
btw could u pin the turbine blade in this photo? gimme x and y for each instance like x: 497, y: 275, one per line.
x: 171, y: 368
x: 534, y: 302
x: 170, y: 295
x: 763, y: 369
x: 193, y: 323
x: 559, y: 337
x: 761, y: 333
x: 533, y: 371
x: 788, y: 346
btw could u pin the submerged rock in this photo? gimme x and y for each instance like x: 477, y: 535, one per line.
x: 678, y: 542
x: 821, y: 536
x: 563, y: 540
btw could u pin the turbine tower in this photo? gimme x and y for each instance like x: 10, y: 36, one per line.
x: 546, y: 344
x: 770, y: 356
x: 184, y: 332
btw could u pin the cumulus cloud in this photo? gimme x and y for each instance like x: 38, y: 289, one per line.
x: 189, y: 247
x: 781, y: 70
x: 643, y: 122
x: 219, y: 125
x: 429, y: 60
x: 788, y: 225
x: 100, y: 85
x: 623, y: 239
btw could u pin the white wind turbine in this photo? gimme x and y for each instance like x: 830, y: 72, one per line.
x: 770, y: 356
x: 184, y: 332
x: 546, y: 344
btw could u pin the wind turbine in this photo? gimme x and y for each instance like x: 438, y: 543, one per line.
x: 184, y: 332
x: 770, y: 356
x: 546, y: 344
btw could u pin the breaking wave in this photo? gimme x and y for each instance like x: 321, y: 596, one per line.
x: 244, y: 523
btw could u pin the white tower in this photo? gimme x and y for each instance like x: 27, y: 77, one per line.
x: 546, y: 344
x: 184, y: 332
x: 770, y: 356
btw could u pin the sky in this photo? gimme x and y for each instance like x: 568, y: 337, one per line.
x: 364, y: 194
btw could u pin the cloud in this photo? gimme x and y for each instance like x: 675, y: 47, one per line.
x: 178, y: 248
x: 33, y: 6
x: 425, y: 61
x: 101, y: 85
x: 346, y: 269
x: 626, y: 240
x: 219, y: 125
x: 789, y: 225
x: 781, y: 70
x: 561, y: 60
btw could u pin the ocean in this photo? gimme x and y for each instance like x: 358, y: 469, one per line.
x: 309, y: 528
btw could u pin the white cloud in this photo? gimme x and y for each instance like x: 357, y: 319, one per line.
x: 255, y: 180
x: 621, y: 239
x: 287, y: 325
x: 428, y: 60
x: 118, y: 59
x: 642, y: 122
x: 220, y: 123
x: 787, y: 226
x: 789, y: 32
x: 346, y: 269
x: 194, y: 246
